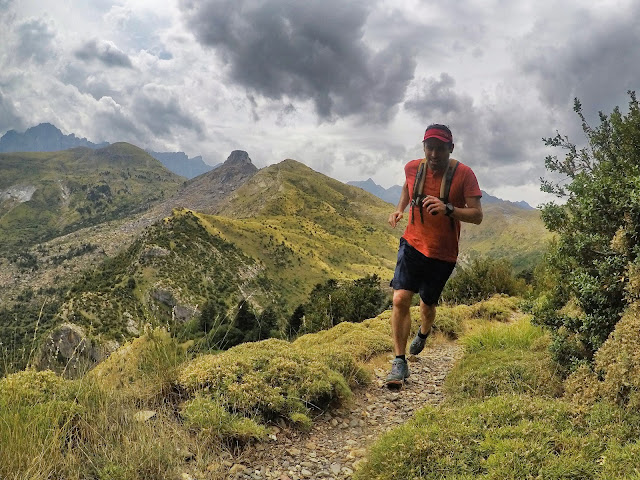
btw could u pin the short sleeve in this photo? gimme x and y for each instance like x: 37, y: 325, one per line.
x: 470, y: 187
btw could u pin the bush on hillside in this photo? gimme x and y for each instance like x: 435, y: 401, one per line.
x: 145, y: 368
x: 481, y: 279
x: 498, y: 307
x: 597, y: 229
x: 615, y: 376
x: 269, y: 378
x: 339, y: 301
x: 223, y: 331
x: 213, y: 422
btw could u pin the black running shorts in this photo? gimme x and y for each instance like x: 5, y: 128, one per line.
x: 421, y: 274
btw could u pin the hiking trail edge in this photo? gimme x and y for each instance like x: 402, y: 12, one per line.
x: 339, y: 438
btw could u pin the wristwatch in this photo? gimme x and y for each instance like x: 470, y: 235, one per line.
x: 448, y: 209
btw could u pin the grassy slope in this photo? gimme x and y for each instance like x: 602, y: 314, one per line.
x: 308, y: 229
x: 507, y: 232
x: 52, y: 426
x: 76, y: 188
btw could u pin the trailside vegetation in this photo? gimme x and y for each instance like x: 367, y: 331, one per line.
x: 505, y: 417
x: 153, y: 411
x: 338, y: 301
x: 482, y: 278
x: 598, y: 233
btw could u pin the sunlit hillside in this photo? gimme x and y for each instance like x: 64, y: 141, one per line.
x: 509, y: 232
x: 44, y: 195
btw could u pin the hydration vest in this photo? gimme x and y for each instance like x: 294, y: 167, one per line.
x: 445, y: 186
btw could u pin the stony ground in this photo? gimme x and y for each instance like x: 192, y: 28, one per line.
x: 339, y: 438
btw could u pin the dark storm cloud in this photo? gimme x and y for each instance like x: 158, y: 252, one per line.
x: 34, y: 39
x: 438, y: 95
x: 161, y: 112
x: 305, y: 50
x: 500, y: 136
x: 598, y: 61
x: 105, y: 52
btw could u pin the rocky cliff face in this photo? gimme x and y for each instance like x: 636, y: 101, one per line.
x: 43, y: 138
x: 238, y: 157
x: 206, y: 191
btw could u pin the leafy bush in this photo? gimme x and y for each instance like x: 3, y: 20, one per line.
x: 498, y: 307
x: 481, y: 279
x: 267, y: 377
x: 616, y: 372
x: 339, y: 301
x: 214, y: 423
x: 597, y: 230
x: 450, y: 320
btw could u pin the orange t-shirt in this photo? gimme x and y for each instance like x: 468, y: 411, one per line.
x: 436, y: 238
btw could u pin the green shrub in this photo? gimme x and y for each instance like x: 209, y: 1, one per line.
x: 497, y: 307
x: 269, y: 378
x: 214, y: 423
x: 345, y: 346
x: 616, y: 373
x: 595, y: 252
x: 450, y: 320
x: 481, y: 279
x: 505, y: 437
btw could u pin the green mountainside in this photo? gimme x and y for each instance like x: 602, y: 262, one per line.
x: 267, y: 258
x: 164, y: 277
x: 506, y: 232
x: 47, y: 194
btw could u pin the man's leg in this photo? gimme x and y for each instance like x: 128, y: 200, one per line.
x: 427, y: 317
x: 401, y: 320
x: 400, y: 328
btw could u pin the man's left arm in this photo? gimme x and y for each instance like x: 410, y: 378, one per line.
x: 471, y: 213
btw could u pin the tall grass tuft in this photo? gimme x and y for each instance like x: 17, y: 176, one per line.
x: 503, y: 359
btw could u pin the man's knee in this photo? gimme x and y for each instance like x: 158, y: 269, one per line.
x: 402, y: 299
x: 427, y: 310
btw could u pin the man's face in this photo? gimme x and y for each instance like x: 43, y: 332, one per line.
x: 437, y: 153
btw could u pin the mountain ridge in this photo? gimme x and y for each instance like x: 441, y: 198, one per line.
x: 46, y: 137
x: 48, y: 194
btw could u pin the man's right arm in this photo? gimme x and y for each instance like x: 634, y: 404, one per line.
x: 395, y: 217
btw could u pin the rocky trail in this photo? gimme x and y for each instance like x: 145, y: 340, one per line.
x: 339, y: 438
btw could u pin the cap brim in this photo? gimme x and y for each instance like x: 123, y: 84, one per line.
x: 439, y: 137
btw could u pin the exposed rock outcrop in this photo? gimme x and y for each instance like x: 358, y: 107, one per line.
x: 68, y: 350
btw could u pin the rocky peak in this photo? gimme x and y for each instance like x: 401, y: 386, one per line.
x: 238, y: 157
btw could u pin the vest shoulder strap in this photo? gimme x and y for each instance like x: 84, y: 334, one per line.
x: 445, y: 184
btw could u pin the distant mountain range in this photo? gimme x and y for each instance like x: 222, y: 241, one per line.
x: 392, y: 194
x: 48, y: 138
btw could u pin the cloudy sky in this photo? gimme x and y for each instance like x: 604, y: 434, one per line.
x: 346, y: 87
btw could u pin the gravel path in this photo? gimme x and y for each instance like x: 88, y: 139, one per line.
x: 339, y: 438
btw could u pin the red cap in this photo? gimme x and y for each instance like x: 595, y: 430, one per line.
x: 438, y: 133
